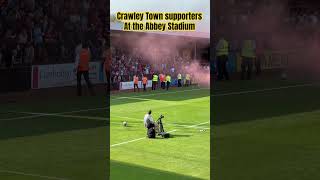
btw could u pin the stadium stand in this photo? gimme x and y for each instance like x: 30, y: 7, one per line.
x: 46, y: 31
x: 43, y: 32
x: 286, y: 28
x: 128, y: 59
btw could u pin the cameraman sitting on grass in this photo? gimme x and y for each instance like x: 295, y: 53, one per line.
x: 150, y: 125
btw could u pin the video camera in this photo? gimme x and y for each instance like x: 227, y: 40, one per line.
x: 161, y: 131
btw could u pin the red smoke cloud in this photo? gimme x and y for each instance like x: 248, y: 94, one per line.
x: 269, y: 24
x: 200, y: 74
x: 161, y: 48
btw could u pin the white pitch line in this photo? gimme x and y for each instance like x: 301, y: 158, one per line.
x: 215, y: 95
x: 127, y: 97
x: 186, y: 126
x: 199, y: 124
x: 262, y: 90
x: 83, y: 110
x: 173, y: 124
x: 67, y: 116
x: 138, y: 139
x: 21, y: 117
x: 44, y: 114
x: 33, y: 175
x: 124, y: 117
x: 136, y: 98
x: 126, y: 142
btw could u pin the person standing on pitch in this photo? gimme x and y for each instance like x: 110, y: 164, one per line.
x: 179, y: 79
x: 162, y: 83
x: 82, y: 68
x: 135, y: 83
x: 222, y: 50
x: 144, y: 82
x: 160, y: 79
x: 187, y: 80
x: 248, y: 55
x: 168, y: 80
x: 154, y: 81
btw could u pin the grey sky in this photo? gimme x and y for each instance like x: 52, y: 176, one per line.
x: 166, y: 6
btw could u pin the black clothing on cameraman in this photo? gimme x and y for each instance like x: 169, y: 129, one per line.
x: 151, y: 132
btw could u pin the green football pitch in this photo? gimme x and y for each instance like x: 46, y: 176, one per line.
x: 54, y: 138
x: 262, y: 130
x: 66, y: 138
x: 186, y: 155
x: 266, y: 130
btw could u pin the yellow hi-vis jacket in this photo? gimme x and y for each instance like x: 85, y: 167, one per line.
x: 155, y: 78
x: 179, y: 76
x: 222, y: 48
x: 248, y: 49
x: 168, y: 78
x: 187, y: 77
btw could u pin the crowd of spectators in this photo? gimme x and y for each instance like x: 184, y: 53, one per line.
x: 47, y: 31
x: 243, y: 12
x: 270, y: 23
x: 125, y: 64
x: 304, y: 18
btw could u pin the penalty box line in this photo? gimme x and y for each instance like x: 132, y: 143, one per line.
x: 138, y: 139
x: 32, y: 175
